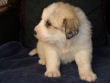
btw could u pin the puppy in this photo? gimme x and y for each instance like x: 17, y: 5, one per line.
x: 64, y: 35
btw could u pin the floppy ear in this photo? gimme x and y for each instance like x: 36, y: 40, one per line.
x: 71, y: 27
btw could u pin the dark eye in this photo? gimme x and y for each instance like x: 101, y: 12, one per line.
x: 48, y: 24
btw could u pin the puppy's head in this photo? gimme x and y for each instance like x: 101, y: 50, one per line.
x: 58, y: 23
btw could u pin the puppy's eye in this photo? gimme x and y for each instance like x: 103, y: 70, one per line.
x: 48, y: 24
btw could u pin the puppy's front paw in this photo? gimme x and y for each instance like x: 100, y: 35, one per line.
x: 90, y: 76
x: 42, y: 62
x: 54, y: 73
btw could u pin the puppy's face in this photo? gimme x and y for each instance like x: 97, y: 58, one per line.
x: 58, y: 23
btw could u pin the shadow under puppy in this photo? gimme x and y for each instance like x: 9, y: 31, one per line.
x: 64, y: 35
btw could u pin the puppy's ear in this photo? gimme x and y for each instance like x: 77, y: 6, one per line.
x: 71, y: 27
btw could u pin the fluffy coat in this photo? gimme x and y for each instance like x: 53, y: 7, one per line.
x: 64, y: 34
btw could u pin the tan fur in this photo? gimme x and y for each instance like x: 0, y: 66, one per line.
x: 53, y: 46
x: 33, y: 52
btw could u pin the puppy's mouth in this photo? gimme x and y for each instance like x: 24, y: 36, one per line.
x: 36, y: 35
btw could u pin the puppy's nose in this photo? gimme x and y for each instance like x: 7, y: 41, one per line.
x: 35, y: 33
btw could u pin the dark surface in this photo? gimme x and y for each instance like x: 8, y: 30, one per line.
x: 92, y: 8
x: 16, y: 66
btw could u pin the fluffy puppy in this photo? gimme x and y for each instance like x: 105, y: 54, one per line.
x: 64, y: 35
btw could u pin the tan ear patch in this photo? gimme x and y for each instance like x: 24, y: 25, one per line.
x: 71, y: 27
x: 76, y: 22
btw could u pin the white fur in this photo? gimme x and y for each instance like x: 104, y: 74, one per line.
x: 53, y: 47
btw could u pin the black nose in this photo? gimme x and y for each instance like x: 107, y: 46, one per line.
x: 35, y: 33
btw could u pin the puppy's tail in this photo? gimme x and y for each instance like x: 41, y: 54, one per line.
x: 33, y: 52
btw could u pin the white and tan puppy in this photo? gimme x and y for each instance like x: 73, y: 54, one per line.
x: 64, y: 35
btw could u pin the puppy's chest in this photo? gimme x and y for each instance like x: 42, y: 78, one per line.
x: 66, y: 55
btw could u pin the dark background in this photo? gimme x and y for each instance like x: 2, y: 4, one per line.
x: 107, y: 13
x: 10, y: 22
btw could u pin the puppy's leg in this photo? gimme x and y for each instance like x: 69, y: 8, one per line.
x: 33, y: 52
x: 52, y: 64
x: 83, y: 61
x: 42, y: 60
